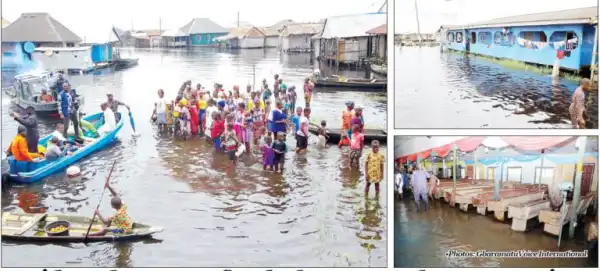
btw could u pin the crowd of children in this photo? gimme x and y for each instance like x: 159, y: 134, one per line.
x: 237, y: 122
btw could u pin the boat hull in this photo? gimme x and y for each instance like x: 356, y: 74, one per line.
x: 31, y: 172
x: 378, y: 86
x: 378, y: 69
x: 122, y: 64
x: 370, y: 135
x: 30, y: 228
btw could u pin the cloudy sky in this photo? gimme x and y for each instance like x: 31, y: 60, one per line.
x: 88, y: 18
x: 433, y: 13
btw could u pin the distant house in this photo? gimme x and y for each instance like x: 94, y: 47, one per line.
x: 174, y: 38
x: 297, y: 37
x: 203, y: 32
x: 281, y: 24
x: 40, y: 29
x: 378, y: 42
x: 5, y: 23
x: 141, y: 40
x: 344, y: 38
x: 154, y: 36
x: 243, y: 38
x: 272, y: 38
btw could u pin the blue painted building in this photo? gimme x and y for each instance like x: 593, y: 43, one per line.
x: 535, y: 38
x: 203, y: 32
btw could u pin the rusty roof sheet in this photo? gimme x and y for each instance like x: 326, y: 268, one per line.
x: 302, y: 29
x: 380, y: 30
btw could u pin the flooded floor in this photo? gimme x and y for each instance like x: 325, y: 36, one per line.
x: 454, y: 90
x: 315, y: 214
x: 423, y: 238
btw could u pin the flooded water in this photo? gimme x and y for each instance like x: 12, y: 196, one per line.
x: 315, y: 214
x: 453, y: 90
x: 421, y: 239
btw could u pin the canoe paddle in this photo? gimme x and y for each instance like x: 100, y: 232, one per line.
x: 132, y: 122
x: 99, y: 202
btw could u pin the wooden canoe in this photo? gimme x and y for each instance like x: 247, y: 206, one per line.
x: 370, y: 135
x: 30, y: 227
x: 374, y: 85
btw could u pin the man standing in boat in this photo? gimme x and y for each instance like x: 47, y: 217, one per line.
x: 68, y: 109
x: 29, y: 121
x: 114, y: 105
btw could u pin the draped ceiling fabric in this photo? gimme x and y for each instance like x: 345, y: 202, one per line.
x: 532, y: 143
x: 470, y: 144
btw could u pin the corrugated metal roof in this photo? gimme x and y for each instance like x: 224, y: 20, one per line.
x: 241, y: 32
x: 380, y: 30
x: 279, y: 25
x: 270, y: 31
x: 301, y: 29
x: 571, y: 16
x: 174, y: 33
x: 38, y: 27
x: 202, y: 26
x: 352, y: 25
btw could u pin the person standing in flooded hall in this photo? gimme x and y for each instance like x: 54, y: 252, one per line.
x: 419, y: 187
x: 577, y: 107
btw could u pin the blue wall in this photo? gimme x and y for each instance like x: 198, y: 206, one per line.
x: 101, y: 53
x: 205, y: 39
x: 494, y: 43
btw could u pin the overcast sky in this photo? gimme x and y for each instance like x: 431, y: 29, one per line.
x: 89, y: 18
x: 433, y: 13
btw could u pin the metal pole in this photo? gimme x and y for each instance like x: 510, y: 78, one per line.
x: 454, y: 167
x: 577, y: 186
x: 498, y: 182
x: 418, y: 24
x: 254, y: 76
x: 476, y: 173
x: 541, y: 168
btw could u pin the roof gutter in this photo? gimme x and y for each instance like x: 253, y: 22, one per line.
x: 536, y: 23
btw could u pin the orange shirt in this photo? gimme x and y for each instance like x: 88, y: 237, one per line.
x: 46, y: 98
x: 18, y: 148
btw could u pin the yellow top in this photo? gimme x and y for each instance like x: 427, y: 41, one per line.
x: 202, y: 104
x: 374, y: 172
x: 251, y: 105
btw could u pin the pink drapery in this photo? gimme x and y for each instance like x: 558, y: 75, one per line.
x: 425, y: 154
x: 469, y: 144
x: 443, y: 151
x: 534, y: 143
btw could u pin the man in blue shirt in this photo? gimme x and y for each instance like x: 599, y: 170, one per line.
x: 68, y: 108
x: 296, y: 119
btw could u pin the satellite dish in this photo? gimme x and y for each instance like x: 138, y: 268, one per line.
x: 29, y: 47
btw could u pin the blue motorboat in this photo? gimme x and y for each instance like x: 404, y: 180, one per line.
x: 31, y: 172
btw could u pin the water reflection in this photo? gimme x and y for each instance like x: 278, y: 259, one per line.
x: 454, y: 90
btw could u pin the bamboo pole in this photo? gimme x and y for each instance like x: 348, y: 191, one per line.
x: 454, y: 167
x: 418, y: 24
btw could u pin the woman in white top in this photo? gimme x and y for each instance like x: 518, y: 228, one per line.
x: 399, y: 183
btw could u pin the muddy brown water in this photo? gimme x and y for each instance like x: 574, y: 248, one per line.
x: 454, y: 90
x: 313, y: 215
x: 422, y: 239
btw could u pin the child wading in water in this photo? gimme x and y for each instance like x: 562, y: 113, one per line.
x: 374, y: 167
x: 279, y: 148
x: 230, y: 140
x: 267, y: 154
x: 357, y: 143
x: 217, y: 129
x: 322, y: 135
